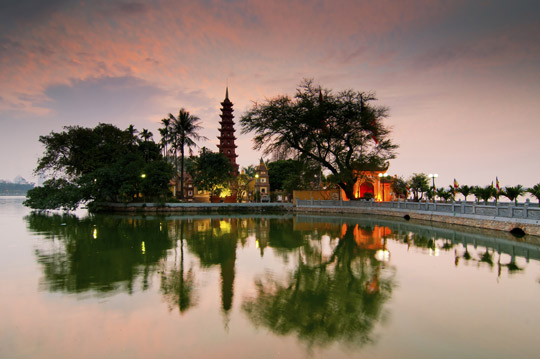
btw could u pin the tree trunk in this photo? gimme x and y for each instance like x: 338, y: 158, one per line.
x: 348, y: 189
x: 182, y: 172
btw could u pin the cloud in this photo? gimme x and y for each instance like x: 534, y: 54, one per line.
x: 104, y: 99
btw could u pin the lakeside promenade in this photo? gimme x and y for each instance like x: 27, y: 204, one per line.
x: 524, y: 219
x: 502, y: 216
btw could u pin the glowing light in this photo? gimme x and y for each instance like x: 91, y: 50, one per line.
x: 434, y: 252
x: 143, y: 175
x: 257, y: 243
x: 94, y: 234
x: 143, y: 248
x: 382, y: 255
x: 225, y: 226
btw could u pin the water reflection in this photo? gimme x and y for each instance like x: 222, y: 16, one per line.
x: 329, y: 279
x: 336, y: 291
x: 103, y: 254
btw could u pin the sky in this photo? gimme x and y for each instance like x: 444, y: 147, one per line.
x: 461, y: 79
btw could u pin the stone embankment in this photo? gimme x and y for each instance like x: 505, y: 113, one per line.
x: 503, y: 217
x: 195, y: 207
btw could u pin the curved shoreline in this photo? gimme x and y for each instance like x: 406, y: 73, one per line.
x: 499, y: 223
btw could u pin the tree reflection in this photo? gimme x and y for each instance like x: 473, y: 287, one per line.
x: 177, y: 285
x: 326, y: 298
x: 99, y: 253
x: 214, y: 242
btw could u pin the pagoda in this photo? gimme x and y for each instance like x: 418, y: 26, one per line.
x: 226, y: 137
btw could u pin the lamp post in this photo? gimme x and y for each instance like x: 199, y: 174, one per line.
x: 433, y: 176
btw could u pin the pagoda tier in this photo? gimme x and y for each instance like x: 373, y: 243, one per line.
x: 226, y: 138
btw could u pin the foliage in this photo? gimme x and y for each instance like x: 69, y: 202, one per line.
x: 484, y: 193
x: 324, y: 299
x: 179, y: 132
x: 98, y: 255
x: 535, y: 191
x: 465, y: 191
x: 210, y: 171
x: 512, y: 193
x: 55, y: 193
x: 419, y: 183
x: 289, y: 175
x: 445, y: 194
x: 250, y: 170
x: 97, y: 165
x: 430, y: 193
x: 342, y: 131
x: 399, y: 187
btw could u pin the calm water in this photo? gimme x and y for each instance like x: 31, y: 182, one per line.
x: 261, y: 286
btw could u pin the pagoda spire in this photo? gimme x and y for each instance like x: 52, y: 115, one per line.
x: 226, y: 138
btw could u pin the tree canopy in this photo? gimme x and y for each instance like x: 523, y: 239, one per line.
x: 419, y: 184
x: 97, y: 165
x: 342, y: 131
x: 211, y: 171
x: 289, y: 175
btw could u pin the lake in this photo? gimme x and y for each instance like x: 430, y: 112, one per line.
x: 264, y: 286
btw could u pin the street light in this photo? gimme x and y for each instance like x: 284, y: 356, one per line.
x: 433, y: 176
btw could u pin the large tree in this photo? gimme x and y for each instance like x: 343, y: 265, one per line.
x: 289, y: 175
x: 211, y: 171
x: 96, y: 165
x: 342, y: 131
x: 182, y: 132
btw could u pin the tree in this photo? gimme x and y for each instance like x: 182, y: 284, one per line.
x: 289, y: 175
x: 165, y: 133
x: 535, y: 191
x: 96, y: 165
x: 419, y: 183
x: 250, y: 170
x: 324, y: 299
x: 465, y: 191
x: 445, y: 194
x: 512, y: 193
x: 182, y: 133
x: 343, y: 132
x: 399, y: 187
x: 146, y: 135
x: 484, y: 193
x: 210, y: 171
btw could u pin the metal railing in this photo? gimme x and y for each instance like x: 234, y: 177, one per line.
x: 503, y: 210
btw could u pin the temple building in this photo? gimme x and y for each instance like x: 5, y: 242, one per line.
x: 262, y: 180
x: 226, y: 138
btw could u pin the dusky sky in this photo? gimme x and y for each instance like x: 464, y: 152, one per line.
x: 461, y: 78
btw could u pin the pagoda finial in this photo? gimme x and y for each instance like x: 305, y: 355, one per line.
x: 227, y: 93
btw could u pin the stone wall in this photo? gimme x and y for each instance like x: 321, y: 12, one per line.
x: 472, y: 215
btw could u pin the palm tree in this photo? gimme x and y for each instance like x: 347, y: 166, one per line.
x: 133, y: 132
x: 165, y: 133
x: 183, y: 133
x: 484, y: 193
x: 512, y: 193
x: 419, y: 183
x: 146, y: 134
x: 535, y: 191
x: 465, y: 191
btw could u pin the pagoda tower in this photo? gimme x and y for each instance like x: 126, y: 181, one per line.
x: 226, y: 137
